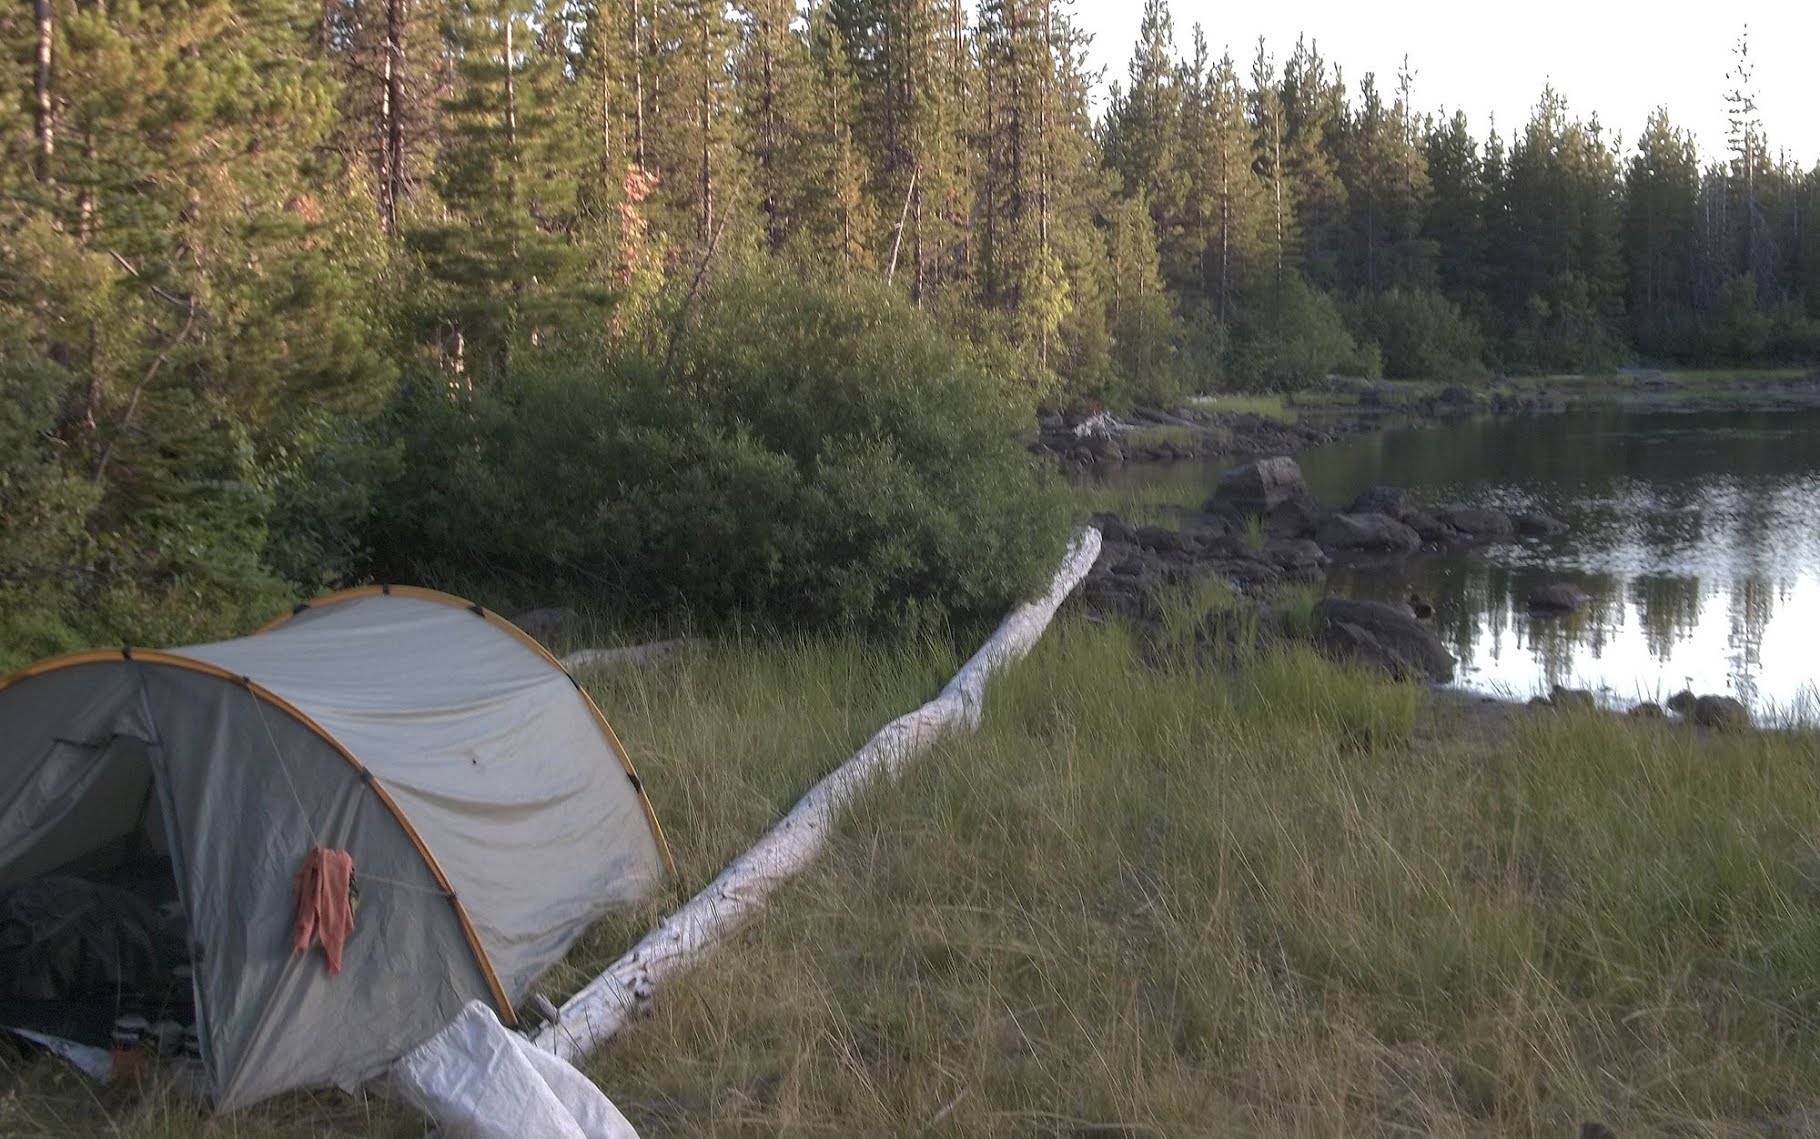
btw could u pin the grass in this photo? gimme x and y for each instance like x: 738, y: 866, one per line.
x: 1271, y: 406
x: 1153, y: 898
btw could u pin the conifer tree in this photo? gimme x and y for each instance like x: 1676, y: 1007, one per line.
x: 1661, y: 196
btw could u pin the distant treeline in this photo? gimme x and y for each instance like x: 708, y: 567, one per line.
x: 248, y: 248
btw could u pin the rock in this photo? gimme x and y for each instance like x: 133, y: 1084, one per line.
x: 1102, y: 449
x: 1159, y: 539
x: 1427, y: 527
x: 1538, y: 524
x: 1258, y: 487
x: 1720, y: 712
x: 1479, y: 523
x: 1391, y: 500
x: 1382, y: 635
x: 1203, y: 528
x: 542, y: 624
x: 1578, y: 699
x: 1299, y: 517
x: 1114, y: 529
x: 1294, y: 554
x: 1557, y: 599
x: 1647, y: 710
x: 1378, y: 532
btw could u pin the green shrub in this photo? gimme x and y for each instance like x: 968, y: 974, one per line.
x: 813, y: 454
x: 1421, y: 334
x: 1146, y: 350
x: 1294, y: 337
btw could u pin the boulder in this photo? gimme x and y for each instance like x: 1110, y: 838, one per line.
x: 1294, y: 554
x: 1428, y: 527
x: 1391, y: 500
x: 1721, y: 712
x: 1377, y: 532
x: 1112, y: 528
x: 1382, y: 635
x: 542, y: 624
x: 1298, y: 517
x: 1556, y: 599
x: 1258, y: 487
x: 1479, y: 523
x: 1101, y: 449
x: 1538, y: 524
x: 1159, y: 539
x: 1578, y: 699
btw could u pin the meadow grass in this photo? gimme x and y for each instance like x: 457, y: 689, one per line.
x: 1269, y: 405
x: 1153, y: 899
x: 1158, y: 897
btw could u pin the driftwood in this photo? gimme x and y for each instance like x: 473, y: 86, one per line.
x: 601, y: 1008
x: 630, y: 654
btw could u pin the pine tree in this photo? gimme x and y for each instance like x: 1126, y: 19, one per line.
x: 1454, y: 224
x: 508, y: 176
x: 1313, y: 104
x: 1231, y: 208
x: 1744, y: 138
x: 1661, y: 194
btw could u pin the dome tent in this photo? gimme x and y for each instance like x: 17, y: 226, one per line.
x: 490, y: 813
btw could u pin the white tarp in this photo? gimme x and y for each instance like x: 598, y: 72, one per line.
x: 478, y: 1080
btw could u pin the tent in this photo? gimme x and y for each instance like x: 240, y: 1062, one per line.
x: 490, y: 813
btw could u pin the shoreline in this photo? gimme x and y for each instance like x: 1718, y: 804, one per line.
x: 1203, y: 431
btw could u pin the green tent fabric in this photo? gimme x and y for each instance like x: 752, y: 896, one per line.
x: 490, y: 812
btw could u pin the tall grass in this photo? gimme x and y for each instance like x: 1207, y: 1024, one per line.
x: 1153, y: 897
x: 1167, y: 901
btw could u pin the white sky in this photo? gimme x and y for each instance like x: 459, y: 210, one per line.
x: 1620, y: 59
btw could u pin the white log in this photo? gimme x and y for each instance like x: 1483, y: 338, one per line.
x: 630, y: 654
x: 600, y: 1009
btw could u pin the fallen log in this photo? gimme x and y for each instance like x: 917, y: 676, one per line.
x: 629, y: 654
x: 602, y: 1007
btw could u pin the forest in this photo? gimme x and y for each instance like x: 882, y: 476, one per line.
x: 703, y: 309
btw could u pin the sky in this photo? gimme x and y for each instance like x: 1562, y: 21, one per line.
x: 1618, y: 59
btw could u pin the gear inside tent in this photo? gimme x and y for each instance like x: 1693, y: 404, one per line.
x: 297, y: 855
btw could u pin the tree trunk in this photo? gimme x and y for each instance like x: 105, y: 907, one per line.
x: 391, y: 182
x: 41, y: 91
x: 511, y: 100
x: 707, y: 95
x: 638, y: 86
x: 742, y: 890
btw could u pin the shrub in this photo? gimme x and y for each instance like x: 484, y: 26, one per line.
x: 812, y: 454
x: 1292, y: 338
x: 1421, y: 334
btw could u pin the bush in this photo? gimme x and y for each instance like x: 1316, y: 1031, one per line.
x: 1421, y: 334
x: 813, y: 454
x: 1146, y: 347
x: 1294, y: 337
x: 1563, y: 330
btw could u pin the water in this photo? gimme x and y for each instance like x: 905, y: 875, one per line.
x: 1695, y: 533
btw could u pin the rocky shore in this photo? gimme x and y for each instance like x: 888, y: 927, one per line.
x: 1347, y: 407
x: 1262, y: 530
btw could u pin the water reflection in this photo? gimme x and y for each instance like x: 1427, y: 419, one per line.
x: 1693, y: 534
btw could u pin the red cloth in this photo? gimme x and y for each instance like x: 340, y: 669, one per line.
x: 323, y: 912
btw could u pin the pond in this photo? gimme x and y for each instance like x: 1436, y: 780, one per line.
x: 1696, y: 534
